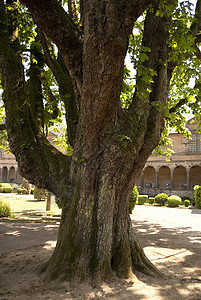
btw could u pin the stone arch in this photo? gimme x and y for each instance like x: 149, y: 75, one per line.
x: 12, y: 174
x: 4, y: 174
x: 164, y: 177
x: 149, y: 176
x: 180, y: 177
x: 195, y: 176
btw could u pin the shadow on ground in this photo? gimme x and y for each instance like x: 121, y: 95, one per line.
x: 174, y: 251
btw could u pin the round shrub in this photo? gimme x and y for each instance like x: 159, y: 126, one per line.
x: 187, y: 203
x: 5, y: 187
x: 1, y: 189
x: 133, y: 199
x: 15, y: 187
x: 151, y: 200
x: 174, y: 201
x: 8, y: 189
x: 5, y: 184
x: 19, y: 190
x: 5, y: 210
x: 32, y: 191
x: 161, y: 198
x: 142, y: 199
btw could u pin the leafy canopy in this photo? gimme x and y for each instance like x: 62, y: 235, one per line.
x: 184, y: 60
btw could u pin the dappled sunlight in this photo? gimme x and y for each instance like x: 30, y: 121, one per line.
x: 195, y: 240
x: 22, y: 235
x: 174, y: 250
x: 171, y: 239
x: 16, y: 233
x: 51, y: 226
x: 49, y: 245
x: 166, y: 253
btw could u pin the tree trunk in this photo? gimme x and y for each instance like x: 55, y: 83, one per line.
x: 48, y: 202
x: 96, y: 239
x: 111, y: 144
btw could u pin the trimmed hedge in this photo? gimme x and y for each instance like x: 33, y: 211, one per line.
x: 5, y: 187
x: 133, y: 199
x: 142, y: 199
x: 174, y: 201
x: 8, y: 189
x: 187, y: 203
x: 19, y: 190
x: 1, y: 189
x: 151, y: 200
x: 161, y: 198
x: 197, y: 195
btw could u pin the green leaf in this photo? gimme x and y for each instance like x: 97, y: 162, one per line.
x: 191, y: 98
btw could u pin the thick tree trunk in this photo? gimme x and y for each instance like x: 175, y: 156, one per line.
x: 111, y: 144
x: 96, y: 239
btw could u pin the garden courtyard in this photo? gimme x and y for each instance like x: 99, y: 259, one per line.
x: 171, y: 238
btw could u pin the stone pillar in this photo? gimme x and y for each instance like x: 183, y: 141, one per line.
x: 142, y: 179
x: 0, y: 174
x: 16, y: 171
x: 8, y: 175
x: 156, y: 172
x: 172, y: 178
x: 188, y: 178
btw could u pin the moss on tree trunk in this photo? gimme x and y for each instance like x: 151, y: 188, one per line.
x: 96, y: 239
x: 111, y: 144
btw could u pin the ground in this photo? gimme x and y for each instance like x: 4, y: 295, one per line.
x: 170, y: 238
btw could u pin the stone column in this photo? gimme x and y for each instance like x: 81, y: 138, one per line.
x: 16, y: 171
x: 142, y: 179
x: 8, y: 175
x: 188, y: 178
x: 172, y: 178
x: 156, y: 174
x: 1, y: 174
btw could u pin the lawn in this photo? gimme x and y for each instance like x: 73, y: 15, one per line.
x: 26, y: 206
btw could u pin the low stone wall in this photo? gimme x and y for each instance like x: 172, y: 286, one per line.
x: 151, y: 192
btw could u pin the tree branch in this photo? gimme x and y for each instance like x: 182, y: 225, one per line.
x: 152, y: 83
x: 65, y: 89
x: 73, y: 13
x: 196, y: 28
x: 35, y: 155
x: 196, y: 25
x: 59, y: 27
x: 178, y: 105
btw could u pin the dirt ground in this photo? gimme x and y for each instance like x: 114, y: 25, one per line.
x: 170, y: 237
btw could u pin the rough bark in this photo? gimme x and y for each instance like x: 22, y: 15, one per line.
x: 111, y: 145
x: 66, y: 90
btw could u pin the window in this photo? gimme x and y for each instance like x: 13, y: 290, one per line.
x: 195, y: 144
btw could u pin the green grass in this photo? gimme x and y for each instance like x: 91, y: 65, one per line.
x: 22, y: 206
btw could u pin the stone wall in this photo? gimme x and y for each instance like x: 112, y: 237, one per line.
x: 178, y: 175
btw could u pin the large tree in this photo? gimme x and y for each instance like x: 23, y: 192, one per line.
x: 110, y: 142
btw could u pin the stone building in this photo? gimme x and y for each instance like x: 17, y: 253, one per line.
x: 9, y: 171
x: 180, y: 174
